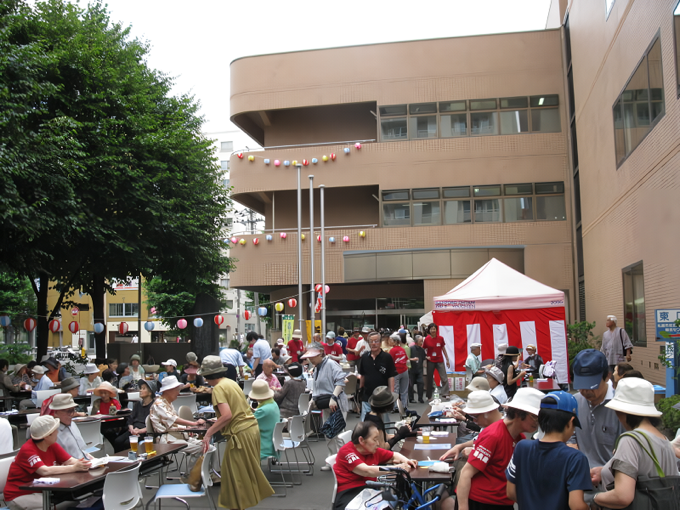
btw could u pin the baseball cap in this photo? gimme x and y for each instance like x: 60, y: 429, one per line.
x: 589, y: 366
x: 562, y: 401
x: 330, y: 334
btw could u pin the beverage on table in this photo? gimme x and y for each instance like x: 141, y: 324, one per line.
x: 426, y: 435
x: 148, y: 441
x: 134, y: 441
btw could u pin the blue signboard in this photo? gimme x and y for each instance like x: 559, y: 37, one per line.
x: 665, y: 324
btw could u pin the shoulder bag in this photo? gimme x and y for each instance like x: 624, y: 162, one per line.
x: 658, y: 493
x: 322, y: 401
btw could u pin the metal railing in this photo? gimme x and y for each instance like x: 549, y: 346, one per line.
x: 294, y: 229
x: 317, y: 144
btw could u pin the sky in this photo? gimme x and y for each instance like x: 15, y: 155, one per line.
x: 194, y: 41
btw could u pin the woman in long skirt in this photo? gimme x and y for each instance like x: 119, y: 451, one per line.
x: 243, y: 483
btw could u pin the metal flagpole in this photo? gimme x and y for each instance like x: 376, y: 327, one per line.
x: 322, y: 188
x: 299, y: 232
x: 312, y: 313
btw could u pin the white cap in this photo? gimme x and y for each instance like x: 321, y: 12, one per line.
x: 90, y: 368
x: 169, y: 383
x: 480, y: 402
x: 279, y: 341
x: 612, y: 318
x: 527, y: 399
x: 476, y: 344
x: 170, y: 362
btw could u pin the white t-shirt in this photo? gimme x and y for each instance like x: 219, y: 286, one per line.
x: 499, y: 393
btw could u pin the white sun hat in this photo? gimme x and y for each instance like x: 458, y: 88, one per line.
x: 170, y: 362
x: 527, y: 399
x: 478, y: 383
x: 480, y: 402
x: 90, y: 368
x: 169, y: 383
x: 634, y: 396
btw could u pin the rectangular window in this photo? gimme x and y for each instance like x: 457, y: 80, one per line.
x: 123, y: 309
x: 417, y: 109
x: 513, y: 122
x: 546, y: 120
x: 550, y: 208
x: 546, y: 100
x: 224, y: 282
x: 424, y: 193
x: 229, y: 303
x: 396, y: 215
x: 453, y: 125
x: 426, y: 213
x: 655, y: 81
x: 463, y: 191
x: 457, y: 211
x: 397, y: 194
x: 518, y: 209
x: 488, y: 211
x: 224, y: 164
x: 423, y: 126
x: 518, y: 189
x: 484, y: 123
x: 226, y: 146
x: 543, y: 188
x: 452, y: 106
x: 487, y: 191
x: 393, y: 129
x: 634, y: 304
x: 391, y: 111
x: 513, y: 102
x: 225, y: 183
x: 483, y: 104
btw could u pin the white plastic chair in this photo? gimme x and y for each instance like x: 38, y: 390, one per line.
x: 92, y: 433
x: 30, y: 418
x: 303, y: 403
x: 330, y: 461
x: 132, y: 398
x: 247, y: 386
x: 186, y: 400
x: 43, y: 394
x: 297, y: 434
x: 4, y: 471
x: 121, y: 489
x: 181, y: 491
x: 282, y: 444
x: 345, y: 437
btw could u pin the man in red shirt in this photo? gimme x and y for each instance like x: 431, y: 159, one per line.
x: 295, y: 347
x: 400, y: 363
x: 435, y: 353
x: 332, y: 349
x: 352, y: 353
x: 482, y: 480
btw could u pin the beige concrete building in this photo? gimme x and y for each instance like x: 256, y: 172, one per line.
x: 468, y: 151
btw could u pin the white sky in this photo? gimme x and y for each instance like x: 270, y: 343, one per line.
x: 195, y: 41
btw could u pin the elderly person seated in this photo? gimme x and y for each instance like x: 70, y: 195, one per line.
x: 55, y: 372
x: 358, y: 462
x: 382, y: 402
x: 289, y: 394
x: 63, y: 408
x: 136, y: 424
x: 165, y: 421
x: 267, y: 415
x: 267, y: 375
x: 279, y: 358
x: 495, y: 378
x: 136, y: 369
x: 40, y: 456
x: 191, y: 380
x: 90, y: 379
x: 21, y: 377
x: 170, y: 367
x: 6, y: 383
x: 124, y: 376
x: 69, y: 386
x: 44, y: 383
x: 533, y: 361
x: 107, y: 403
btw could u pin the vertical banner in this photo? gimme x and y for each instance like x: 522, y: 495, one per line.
x: 310, y: 333
x: 287, y: 327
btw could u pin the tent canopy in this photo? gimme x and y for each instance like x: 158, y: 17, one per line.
x: 495, y: 286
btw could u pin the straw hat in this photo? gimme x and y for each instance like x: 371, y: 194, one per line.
x: 63, y: 401
x: 106, y: 387
x: 478, y: 383
x: 169, y: 383
x: 90, y: 368
x: 480, y: 402
x: 260, y: 390
x: 18, y: 367
x: 527, y: 399
x: 634, y: 396
x: 43, y: 426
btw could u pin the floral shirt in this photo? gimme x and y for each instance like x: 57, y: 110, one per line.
x: 163, y: 416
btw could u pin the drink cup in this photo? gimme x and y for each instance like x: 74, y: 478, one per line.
x: 148, y: 441
x: 426, y: 435
x: 134, y: 441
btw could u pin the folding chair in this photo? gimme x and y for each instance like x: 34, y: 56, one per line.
x: 283, y: 445
x: 186, y: 400
x: 330, y: 461
x: 296, y: 431
x: 92, y: 434
x: 303, y: 403
x: 121, y: 489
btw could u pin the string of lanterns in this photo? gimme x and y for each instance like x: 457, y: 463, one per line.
x: 283, y: 235
x: 304, y: 162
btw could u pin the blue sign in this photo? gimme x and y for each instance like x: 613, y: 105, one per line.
x: 666, y: 330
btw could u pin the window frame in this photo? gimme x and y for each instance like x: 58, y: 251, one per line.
x: 676, y: 54
x: 125, y: 305
x: 231, y: 149
x: 629, y: 270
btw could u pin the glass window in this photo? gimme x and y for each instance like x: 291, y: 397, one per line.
x: 608, y: 4
x: 225, y: 183
x: 457, y: 211
x: 483, y: 104
x: 518, y: 209
x: 229, y: 303
x: 390, y: 111
x: 549, y: 187
x: 488, y: 211
x: 226, y: 146
x: 424, y: 126
x: 518, y: 189
x: 634, y: 304
x: 546, y: 120
x: 115, y: 309
x: 484, y: 123
x: 452, y: 106
x: 550, y: 208
x: 463, y: 191
x: 421, y: 194
x: 513, y: 122
x: 453, y: 125
x: 655, y: 81
x: 123, y: 309
x: 415, y: 109
x: 224, y: 164
x: 636, y: 120
x: 396, y: 215
x: 397, y: 194
x: 676, y: 30
x: 393, y: 129
x: 514, y: 102
x: 426, y: 213
x: 545, y: 100
x: 487, y: 191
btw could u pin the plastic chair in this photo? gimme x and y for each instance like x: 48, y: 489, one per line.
x: 186, y: 400
x: 185, y: 413
x: 345, y: 437
x: 121, y: 489
x: 42, y: 395
x: 30, y: 418
x: 181, y: 491
x: 297, y: 434
x: 247, y: 386
x: 4, y: 471
x: 330, y: 461
x: 351, y: 390
x: 303, y: 403
x: 283, y: 445
x: 92, y: 433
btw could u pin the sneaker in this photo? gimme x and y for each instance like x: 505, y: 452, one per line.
x: 325, y: 468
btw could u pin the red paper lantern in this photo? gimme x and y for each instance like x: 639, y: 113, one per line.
x: 246, y: 315
x: 318, y: 288
x: 123, y: 328
x: 240, y: 155
x: 292, y: 302
x: 73, y: 327
x: 182, y: 323
x: 29, y: 324
x: 305, y: 162
x: 55, y: 326
x: 332, y: 156
x: 219, y: 320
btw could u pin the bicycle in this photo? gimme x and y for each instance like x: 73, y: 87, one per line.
x: 402, y: 492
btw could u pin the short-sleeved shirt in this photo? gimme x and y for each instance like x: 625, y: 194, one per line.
x: 335, y: 349
x: 295, y: 349
x: 262, y: 350
x: 162, y: 415
x: 545, y: 474
x: 342, y: 340
x: 491, y: 455
x: 106, y: 408
x: 433, y: 348
x: 400, y: 358
x: 272, y: 381
x: 352, y: 344
x: 614, y: 345
x: 232, y: 357
x: 472, y: 365
x: 349, y: 458
x: 375, y: 372
x: 71, y: 440
x: 227, y: 391
x: 267, y: 415
x: 29, y: 459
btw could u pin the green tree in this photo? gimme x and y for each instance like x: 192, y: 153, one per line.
x: 16, y: 299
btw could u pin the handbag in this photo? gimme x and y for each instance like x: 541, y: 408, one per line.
x: 195, y: 481
x: 334, y: 425
x: 657, y: 493
x: 323, y: 401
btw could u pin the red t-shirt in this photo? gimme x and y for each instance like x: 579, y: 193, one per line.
x: 491, y: 455
x: 400, y: 358
x: 349, y: 458
x: 335, y: 349
x: 45, y: 407
x: 433, y: 348
x: 295, y: 348
x: 352, y: 344
x: 29, y: 459
x: 105, y: 407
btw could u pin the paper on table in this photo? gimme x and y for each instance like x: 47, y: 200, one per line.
x: 46, y: 481
x: 439, y: 433
x: 446, y: 420
x: 432, y: 446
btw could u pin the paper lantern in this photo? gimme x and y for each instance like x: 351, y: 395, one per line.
x: 148, y: 325
x: 318, y: 238
x: 219, y: 320
x: 123, y: 328
x: 295, y: 162
x: 286, y: 163
x: 302, y: 236
x: 268, y: 237
x: 256, y: 241
x: 324, y: 158
x: 332, y: 156
x: 198, y: 322
x: 347, y: 150
x: 182, y: 323
x: 278, y: 307
x: 314, y: 161
x: 5, y: 321
x: 266, y: 161
x: 305, y: 162
x: 242, y: 242
x: 318, y: 288
x: 240, y: 155
x: 277, y: 162
x: 246, y: 315
x: 357, y: 145
x: 234, y: 240
x: 153, y: 310
x: 251, y: 158
x: 262, y: 311
x: 331, y: 240
x: 55, y: 326
x: 362, y: 234
x: 283, y: 235
x: 99, y: 328
x: 73, y: 327
x: 345, y: 239
x: 292, y: 302
x: 29, y: 324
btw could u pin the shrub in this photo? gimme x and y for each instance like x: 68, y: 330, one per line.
x: 671, y: 417
x: 581, y: 337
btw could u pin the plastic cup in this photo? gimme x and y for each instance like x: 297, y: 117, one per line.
x: 426, y: 435
x: 134, y: 441
x: 148, y: 442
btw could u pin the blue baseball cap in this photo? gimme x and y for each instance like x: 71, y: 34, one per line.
x: 589, y: 367
x: 563, y: 402
x: 403, y: 331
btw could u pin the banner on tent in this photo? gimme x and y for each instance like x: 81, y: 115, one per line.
x: 543, y: 327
